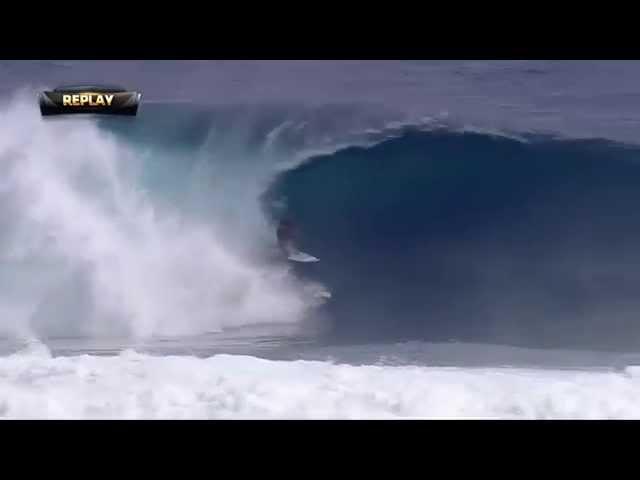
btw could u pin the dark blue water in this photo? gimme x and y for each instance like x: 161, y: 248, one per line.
x: 440, y: 235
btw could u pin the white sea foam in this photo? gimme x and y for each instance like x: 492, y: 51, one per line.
x: 85, y: 249
x: 35, y: 385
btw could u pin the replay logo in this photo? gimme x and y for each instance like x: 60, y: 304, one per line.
x: 94, y: 99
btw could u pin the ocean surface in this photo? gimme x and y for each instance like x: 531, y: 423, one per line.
x: 477, y: 226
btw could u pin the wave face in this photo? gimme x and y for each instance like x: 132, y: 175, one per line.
x: 474, y: 237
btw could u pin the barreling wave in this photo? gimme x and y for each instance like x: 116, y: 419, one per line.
x: 469, y: 236
x: 164, y: 225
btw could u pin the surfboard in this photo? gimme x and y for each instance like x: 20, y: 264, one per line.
x: 302, y: 257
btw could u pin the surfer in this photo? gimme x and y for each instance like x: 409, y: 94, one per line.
x: 286, y: 233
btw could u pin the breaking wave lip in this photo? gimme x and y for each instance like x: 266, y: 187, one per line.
x: 136, y: 386
x: 394, y: 129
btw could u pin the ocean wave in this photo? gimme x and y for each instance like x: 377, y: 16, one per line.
x: 426, y: 228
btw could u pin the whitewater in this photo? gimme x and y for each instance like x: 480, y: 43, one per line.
x: 140, y: 279
x: 135, y: 386
x: 82, y: 239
